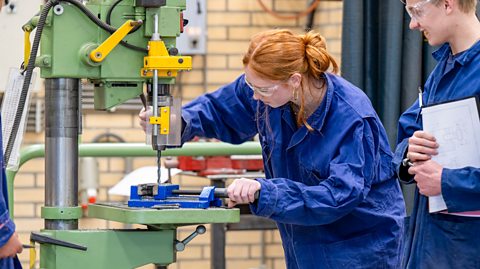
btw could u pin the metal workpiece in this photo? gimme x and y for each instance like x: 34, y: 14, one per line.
x: 61, y: 147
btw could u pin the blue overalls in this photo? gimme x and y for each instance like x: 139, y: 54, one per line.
x: 7, y: 227
x: 333, y: 191
x: 439, y: 240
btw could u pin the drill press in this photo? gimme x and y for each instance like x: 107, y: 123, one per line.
x: 119, y: 45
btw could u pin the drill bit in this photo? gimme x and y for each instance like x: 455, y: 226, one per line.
x: 159, y: 171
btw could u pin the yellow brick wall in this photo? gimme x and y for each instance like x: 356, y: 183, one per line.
x: 230, y: 23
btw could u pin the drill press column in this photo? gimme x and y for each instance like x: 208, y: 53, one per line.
x: 61, y: 149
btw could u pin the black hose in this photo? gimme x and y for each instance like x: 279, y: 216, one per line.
x: 110, y: 10
x: 27, y: 79
x: 102, y: 24
x: 109, y: 16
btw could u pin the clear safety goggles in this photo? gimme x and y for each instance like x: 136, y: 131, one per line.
x: 263, y: 91
x: 418, y: 10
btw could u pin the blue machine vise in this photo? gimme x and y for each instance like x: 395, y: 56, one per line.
x: 170, y: 196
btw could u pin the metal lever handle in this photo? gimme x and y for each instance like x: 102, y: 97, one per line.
x: 99, y: 54
x: 45, y: 239
x: 180, y: 245
x: 222, y: 193
x: 218, y: 192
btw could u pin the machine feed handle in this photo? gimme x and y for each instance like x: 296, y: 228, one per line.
x: 44, y: 239
x: 222, y: 193
x: 144, y: 101
x: 180, y: 245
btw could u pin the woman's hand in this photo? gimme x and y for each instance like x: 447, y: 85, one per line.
x: 142, y: 118
x: 242, y: 191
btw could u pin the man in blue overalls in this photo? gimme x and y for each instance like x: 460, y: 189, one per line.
x: 447, y: 239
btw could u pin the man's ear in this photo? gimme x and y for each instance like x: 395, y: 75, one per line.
x: 450, y: 5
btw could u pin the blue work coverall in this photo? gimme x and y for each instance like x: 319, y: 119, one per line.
x: 441, y: 240
x: 7, y: 227
x: 333, y: 191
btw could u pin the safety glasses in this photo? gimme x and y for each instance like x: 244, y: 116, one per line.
x: 417, y: 11
x: 263, y: 91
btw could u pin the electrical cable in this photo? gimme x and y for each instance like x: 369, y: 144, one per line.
x: 110, y: 10
x: 102, y: 24
x: 109, y: 15
x: 312, y: 7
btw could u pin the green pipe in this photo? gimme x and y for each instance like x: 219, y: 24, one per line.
x: 135, y: 150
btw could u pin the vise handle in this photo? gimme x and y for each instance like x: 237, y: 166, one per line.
x: 218, y: 192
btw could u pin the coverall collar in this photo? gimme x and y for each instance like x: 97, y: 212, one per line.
x: 317, y: 119
x: 466, y: 56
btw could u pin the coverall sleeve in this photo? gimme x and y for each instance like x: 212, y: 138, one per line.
x: 408, y: 123
x: 228, y: 114
x: 461, y: 189
x: 7, y: 227
x: 351, y: 174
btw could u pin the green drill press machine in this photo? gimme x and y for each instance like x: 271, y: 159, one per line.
x: 120, y: 46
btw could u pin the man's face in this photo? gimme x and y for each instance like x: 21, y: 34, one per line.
x: 426, y: 17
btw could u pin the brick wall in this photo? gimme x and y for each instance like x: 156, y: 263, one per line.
x: 230, y: 25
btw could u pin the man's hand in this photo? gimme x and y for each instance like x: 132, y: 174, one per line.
x: 421, y: 147
x: 242, y: 191
x: 12, y: 247
x: 428, y: 176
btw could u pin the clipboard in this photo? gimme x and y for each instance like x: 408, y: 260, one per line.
x: 456, y: 126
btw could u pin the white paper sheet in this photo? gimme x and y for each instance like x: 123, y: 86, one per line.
x: 9, y: 107
x: 456, y: 126
x: 147, y: 174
